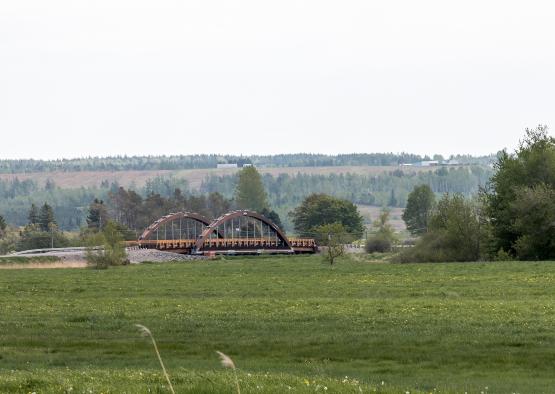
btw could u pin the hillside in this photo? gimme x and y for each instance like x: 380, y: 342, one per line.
x: 182, y: 162
x: 77, y: 179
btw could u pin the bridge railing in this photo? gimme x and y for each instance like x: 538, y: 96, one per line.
x: 163, y: 243
x: 303, y: 242
x: 224, y: 243
x: 239, y: 243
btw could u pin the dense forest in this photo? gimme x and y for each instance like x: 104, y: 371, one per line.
x: 285, y: 192
x: 181, y: 162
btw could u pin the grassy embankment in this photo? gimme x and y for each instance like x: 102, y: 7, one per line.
x: 286, y: 322
x: 16, y: 260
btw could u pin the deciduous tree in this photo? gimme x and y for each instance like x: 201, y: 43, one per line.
x: 534, y: 212
x: 522, y: 183
x: 333, y: 236
x: 383, y: 237
x: 420, y: 203
x: 217, y: 205
x: 320, y: 209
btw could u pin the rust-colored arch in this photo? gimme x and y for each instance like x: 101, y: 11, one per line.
x: 173, y: 216
x: 235, y: 214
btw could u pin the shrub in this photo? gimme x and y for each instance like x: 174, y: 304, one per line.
x: 502, y: 255
x: 8, y: 243
x: 33, y: 238
x: 429, y: 249
x: 378, y: 243
x: 95, y: 252
x: 106, y: 248
x: 383, y: 239
x: 455, y: 233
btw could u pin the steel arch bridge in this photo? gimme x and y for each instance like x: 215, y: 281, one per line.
x: 236, y: 232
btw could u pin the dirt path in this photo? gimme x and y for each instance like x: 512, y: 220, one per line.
x: 57, y: 264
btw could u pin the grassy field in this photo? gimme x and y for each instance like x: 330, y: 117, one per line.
x: 74, y: 180
x: 290, y: 324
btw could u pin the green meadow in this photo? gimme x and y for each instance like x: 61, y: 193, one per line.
x: 291, y: 324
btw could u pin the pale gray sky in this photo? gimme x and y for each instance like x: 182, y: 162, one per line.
x: 107, y: 77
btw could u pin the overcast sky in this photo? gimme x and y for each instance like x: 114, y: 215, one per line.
x: 86, y: 78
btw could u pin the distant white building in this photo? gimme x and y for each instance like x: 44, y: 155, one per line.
x: 227, y: 165
x: 429, y: 163
x: 247, y: 165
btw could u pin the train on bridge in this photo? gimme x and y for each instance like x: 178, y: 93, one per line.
x: 236, y: 232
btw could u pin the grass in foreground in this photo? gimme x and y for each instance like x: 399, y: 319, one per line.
x: 286, y: 322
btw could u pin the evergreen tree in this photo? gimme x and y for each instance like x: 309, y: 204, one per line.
x: 3, y: 226
x: 33, y: 215
x: 392, y: 199
x: 273, y: 216
x: 46, y: 218
x: 98, y: 215
x: 250, y: 192
x: 50, y: 185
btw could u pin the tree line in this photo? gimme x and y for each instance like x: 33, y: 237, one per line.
x: 284, y: 192
x: 130, y: 213
x: 290, y: 190
x: 181, y: 162
x: 512, y: 215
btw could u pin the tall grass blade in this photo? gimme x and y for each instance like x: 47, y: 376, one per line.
x: 146, y: 332
x: 227, y: 362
